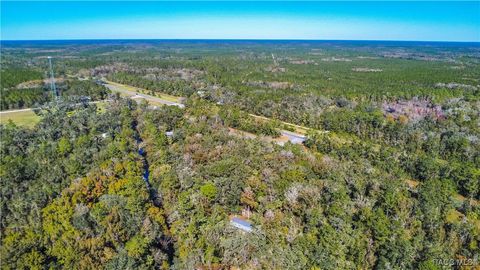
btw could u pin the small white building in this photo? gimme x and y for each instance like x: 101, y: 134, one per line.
x: 241, y: 224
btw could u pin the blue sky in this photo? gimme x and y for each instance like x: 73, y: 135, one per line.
x: 425, y: 21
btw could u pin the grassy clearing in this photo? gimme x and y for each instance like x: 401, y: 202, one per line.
x: 294, y: 128
x: 146, y: 92
x: 23, y: 118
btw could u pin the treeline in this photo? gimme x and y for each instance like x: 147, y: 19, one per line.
x: 28, y: 95
x: 172, y: 87
x: 34, y: 97
x: 84, y: 88
x: 11, y: 77
x: 23, y: 98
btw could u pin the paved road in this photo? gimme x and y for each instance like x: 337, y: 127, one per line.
x: 31, y: 109
x: 133, y: 94
x: 15, y: 111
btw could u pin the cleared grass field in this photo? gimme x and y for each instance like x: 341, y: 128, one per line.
x: 22, y: 118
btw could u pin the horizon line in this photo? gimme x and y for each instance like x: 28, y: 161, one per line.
x: 234, y: 39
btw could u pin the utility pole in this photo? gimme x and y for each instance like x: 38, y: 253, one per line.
x: 52, y: 79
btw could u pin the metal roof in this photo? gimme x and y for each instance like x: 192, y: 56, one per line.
x: 241, y: 222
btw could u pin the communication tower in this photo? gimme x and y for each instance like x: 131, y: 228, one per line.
x: 52, y: 79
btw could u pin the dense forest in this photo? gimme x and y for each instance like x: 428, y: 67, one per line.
x: 388, y: 177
